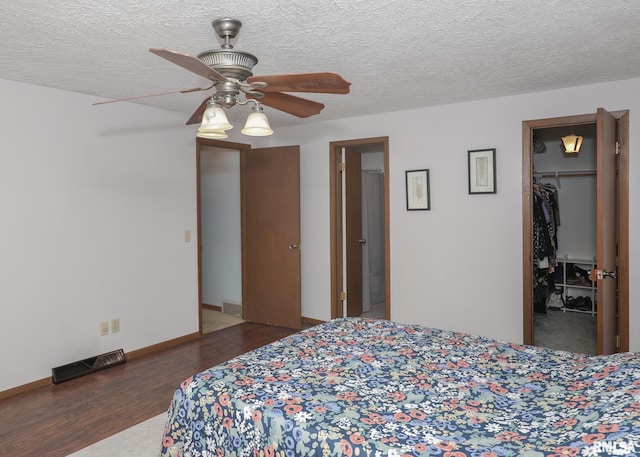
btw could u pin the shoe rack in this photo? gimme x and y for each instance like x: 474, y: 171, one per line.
x: 578, y: 292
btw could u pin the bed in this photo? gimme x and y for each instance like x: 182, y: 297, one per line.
x: 364, y: 387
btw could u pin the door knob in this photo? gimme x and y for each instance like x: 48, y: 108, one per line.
x: 608, y: 274
x: 293, y: 246
x: 596, y: 274
x: 363, y: 241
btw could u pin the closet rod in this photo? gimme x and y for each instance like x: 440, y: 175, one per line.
x: 558, y: 174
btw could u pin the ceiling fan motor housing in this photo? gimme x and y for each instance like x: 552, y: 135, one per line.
x: 229, y: 62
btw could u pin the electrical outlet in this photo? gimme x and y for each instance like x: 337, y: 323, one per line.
x: 115, y: 325
x: 104, y: 328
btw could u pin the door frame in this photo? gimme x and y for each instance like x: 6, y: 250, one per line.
x: 622, y: 118
x: 336, y: 223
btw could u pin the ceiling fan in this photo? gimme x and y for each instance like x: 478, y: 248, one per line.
x: 230, y: 73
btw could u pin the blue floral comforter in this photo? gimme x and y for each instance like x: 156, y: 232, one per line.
x: 361, y: 387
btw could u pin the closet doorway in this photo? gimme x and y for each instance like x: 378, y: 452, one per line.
x: 359, y: 196
x: 576, y: 254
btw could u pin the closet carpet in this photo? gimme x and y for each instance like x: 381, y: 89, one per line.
x: 567, y: 331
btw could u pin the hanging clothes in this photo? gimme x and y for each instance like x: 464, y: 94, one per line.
x: 546, y: 219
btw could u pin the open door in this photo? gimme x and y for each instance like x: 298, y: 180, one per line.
x: 270, y: 196
x: 606, y: 253
x: 354, y: 241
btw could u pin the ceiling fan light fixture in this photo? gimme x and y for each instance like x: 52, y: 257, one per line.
x: 572, y: 143
x: 212, y: 134
x: 214, y: 118
x: 257, y: 123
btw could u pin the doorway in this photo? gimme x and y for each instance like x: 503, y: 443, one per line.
x: 359, y: 198
x: 265, y: 186
x: 597, y: 243
x: 220, y: 237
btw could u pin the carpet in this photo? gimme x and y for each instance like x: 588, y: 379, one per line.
x: 216, y: 320
x: 141, y: 440
x: 567, y: 331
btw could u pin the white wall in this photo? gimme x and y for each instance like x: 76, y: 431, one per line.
x: 458, y: 266
x: 372, y: 161
x: 220, y: 225
x: 94, y: 205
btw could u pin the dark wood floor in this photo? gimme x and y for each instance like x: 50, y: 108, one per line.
x: 60, y: 419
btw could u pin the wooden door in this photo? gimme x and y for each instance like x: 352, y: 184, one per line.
x: 270, y: 198
x: 606, y: 252
x: 353, y: 241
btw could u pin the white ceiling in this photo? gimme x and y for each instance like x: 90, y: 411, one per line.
x: 397, y: 54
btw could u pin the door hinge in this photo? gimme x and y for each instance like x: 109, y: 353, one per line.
x: 341, y: 166
x: 618, y: 341
x: 617, y: 148
x: 343, y: 295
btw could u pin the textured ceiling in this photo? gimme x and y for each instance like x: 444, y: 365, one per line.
x: 397, y: 54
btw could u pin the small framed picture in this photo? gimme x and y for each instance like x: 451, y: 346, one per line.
x: 418, y: 193
x: 482, y: 171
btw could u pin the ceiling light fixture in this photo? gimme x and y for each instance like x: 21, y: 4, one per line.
x: 257, y: 123
x: 572, y: 143
x: 215, y: 123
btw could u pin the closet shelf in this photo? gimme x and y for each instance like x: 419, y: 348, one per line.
x: 576, y: 284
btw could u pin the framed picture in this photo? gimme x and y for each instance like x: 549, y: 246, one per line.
x: 482, y: 171
x: 418, y: 194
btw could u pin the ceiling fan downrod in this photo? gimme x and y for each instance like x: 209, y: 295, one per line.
x: 227, y: 29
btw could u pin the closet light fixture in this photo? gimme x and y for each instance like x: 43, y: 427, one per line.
x: 215, y: 123
x: 572, y: 143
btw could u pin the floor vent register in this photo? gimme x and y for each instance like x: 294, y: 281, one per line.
x: 86, y: 366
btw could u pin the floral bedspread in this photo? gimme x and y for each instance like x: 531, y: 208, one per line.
x: 362, y: 387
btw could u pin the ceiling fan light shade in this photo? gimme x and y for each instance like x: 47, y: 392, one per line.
x: 211, y: 134
x: 214, y: 118
x: 572, y: 143
x: 257, y: 125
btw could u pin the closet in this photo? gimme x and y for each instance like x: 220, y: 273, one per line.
x: 610, y: 144
x: 564, y: 240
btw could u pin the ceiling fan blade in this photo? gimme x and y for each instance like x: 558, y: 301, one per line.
x: 325, y: 83
x: 291, y: 104
x: 181, y: 91
x: 191, y: 63
x: 196, y: 117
